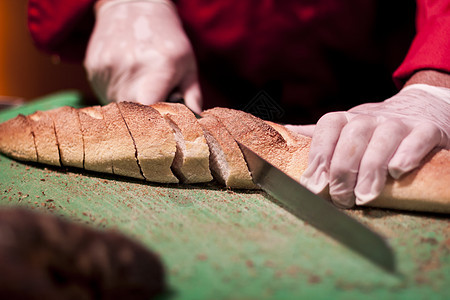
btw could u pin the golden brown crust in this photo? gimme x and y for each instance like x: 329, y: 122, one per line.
x: 263, y: 139
x: 291, y: 138
x: 68, y: 135
x: 17, y: 140
x: 237, y: 174
x: 426, y: 188
x: 97, y: 151
x: 44, y: 138
x: 191, y: 162
x: 123, y: 156
x: 295, y: 141
x: 154, y: 141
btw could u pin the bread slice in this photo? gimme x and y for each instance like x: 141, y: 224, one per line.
x: 45, y: 138
x: 123, y: 156
x: 97, y: 149
x: 191, y: 163
x: 68, y: 136
x: 263, y: 139
x: 17, y: 139
x: 153, y: 139
x: 226, y: 161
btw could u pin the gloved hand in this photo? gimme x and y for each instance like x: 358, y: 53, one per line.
x: 139, y: 52
x: 354, y: 151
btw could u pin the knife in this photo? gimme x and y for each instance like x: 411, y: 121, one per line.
x: 319, y: 212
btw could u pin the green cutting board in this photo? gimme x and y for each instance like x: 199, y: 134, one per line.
x: 230, y: 244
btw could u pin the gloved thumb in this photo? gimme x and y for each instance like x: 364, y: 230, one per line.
x: 154, y: 87
x: 190, y: 89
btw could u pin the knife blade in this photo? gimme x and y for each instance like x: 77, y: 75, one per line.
x: 319, y: 212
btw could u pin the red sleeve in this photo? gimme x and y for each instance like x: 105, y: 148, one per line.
x: 430, y: 48
x: 61, y: 27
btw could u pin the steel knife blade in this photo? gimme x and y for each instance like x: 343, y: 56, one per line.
x: 319, y: 212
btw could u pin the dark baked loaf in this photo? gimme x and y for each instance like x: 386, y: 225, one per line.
x: 43, y: 257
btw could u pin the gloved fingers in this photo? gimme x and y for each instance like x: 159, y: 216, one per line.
x: 124, y: 91
x: 99, y: 84
x: 148, y: 89
x: 99, y: 78
x: 421, y: 140
x: 306, y: 130
x: 326, y: 135
x: 349, y: 151
x: 373, y: 169
x: 190, y: 89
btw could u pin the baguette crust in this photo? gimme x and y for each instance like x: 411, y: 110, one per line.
x: 68, y: 135
x: 291, y: 138
x: 97, y: 151
x: 17, y: 139
x: 226, y: 160
x: 264, y: 140
x: 191, y: 163
x: 423, y: 189
x: 154, y: 141
x: 123, y: 156
x: 45, y: 138
x: 296, y: 141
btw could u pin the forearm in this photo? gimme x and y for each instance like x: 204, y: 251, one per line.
x: 430, y: 48
x: 430, y: 77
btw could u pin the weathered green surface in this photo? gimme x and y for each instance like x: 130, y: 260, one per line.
x: 222, y: 244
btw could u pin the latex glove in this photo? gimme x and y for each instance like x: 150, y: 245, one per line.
x: 354, y: 151
x: 139, y: 52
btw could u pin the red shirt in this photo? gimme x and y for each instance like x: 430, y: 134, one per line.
x: 309, y: 56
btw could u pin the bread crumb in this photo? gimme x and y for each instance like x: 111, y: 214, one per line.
x: 202, y: 257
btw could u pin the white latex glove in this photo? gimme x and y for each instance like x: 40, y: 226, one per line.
x: 354, y: 151
x: 140, y: 52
